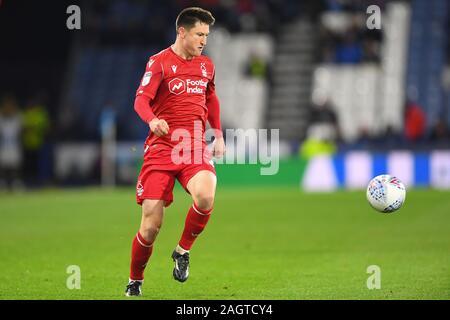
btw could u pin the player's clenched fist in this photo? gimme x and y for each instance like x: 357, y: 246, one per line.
x: 219, y: 148
x: 159, y: 127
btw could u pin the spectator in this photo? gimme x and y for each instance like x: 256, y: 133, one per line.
x: 344, y: 35
x: 36, y: 127
x: 415, y: 121
x: 323, y: 131
x: 440, y: 133
x: 324, y: 116
x: 350, y: 49
x: 10, y: 146
x: 256, y: 66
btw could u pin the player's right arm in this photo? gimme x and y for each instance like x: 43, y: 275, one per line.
x: 146, y: 93
x: 144, y: 110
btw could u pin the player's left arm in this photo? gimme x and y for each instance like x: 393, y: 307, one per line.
x: 213, y: 105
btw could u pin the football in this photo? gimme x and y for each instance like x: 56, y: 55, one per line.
x: 386, y: 193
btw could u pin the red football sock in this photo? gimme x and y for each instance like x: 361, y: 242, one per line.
x: 196, y: 221
x: 141, y: 251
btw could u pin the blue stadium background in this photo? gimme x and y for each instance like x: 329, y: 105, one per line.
x: 288, y: 53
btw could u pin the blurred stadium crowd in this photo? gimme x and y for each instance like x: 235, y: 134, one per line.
x: 84, y: 73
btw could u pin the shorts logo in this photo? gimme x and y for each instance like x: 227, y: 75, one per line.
x: 139, y: 189
x: 177, y: 86
x: 146, y: 78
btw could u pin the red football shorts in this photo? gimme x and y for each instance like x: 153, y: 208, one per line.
x: 156, y: 181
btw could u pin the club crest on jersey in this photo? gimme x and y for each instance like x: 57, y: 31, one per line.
x: 139, y: 188
x: 146, y: 78
x: 177, y: 86
x: 203, y: 68
x: 174, y: 68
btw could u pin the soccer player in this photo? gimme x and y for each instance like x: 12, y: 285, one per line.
x: 175, y: 98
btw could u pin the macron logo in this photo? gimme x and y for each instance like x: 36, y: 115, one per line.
x: 177, y: 86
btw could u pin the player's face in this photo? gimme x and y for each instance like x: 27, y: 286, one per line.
x: 194, y: 40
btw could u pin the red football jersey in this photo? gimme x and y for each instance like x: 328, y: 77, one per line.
x: 178, y: 90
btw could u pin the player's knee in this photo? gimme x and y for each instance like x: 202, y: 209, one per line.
x: 150, y: 231
x: 151, y: 222
x: 153, y: 229
x: 204, y: 201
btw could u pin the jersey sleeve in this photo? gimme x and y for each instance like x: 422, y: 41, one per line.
x: 143, y: 108
x: 152, y: 79
x: 211, y: 89
x: 213, y: 106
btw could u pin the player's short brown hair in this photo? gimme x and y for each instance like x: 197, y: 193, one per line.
x: 188, y: 17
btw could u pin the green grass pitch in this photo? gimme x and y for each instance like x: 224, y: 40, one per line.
x: 261, y: 243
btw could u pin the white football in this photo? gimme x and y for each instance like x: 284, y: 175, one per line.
x: 386, y: 193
